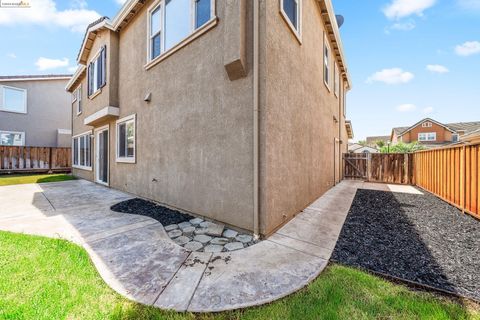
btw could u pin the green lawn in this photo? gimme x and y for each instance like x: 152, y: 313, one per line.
x: 8, y: 180
x: 43, y: 278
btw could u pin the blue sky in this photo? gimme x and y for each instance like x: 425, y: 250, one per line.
x: 408, y: 59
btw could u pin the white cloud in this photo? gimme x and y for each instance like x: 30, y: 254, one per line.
x: 436, y: 68
x: 401, y: 26
x: 391, y: 76
x: 469, y: 4
x: 47, y: 64
x: 121, y: 2
x: 12, y: 55
x: 468, y: 48
x: 428, y: 110
x: 404, y: 8
x: 406, y: 107
x: 45, y: 12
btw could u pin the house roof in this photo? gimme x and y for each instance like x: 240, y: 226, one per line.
x: 35, y: 77
x: 466, y: 127
x: 371, y: 140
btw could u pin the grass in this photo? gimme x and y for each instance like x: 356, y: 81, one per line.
x: 44, y: 278
x: 8, y: 180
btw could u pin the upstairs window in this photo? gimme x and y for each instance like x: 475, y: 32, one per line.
x: 9, y: 138
x: 97, y: 71
x: 426, y: 125
x: 171, y: 21
x: 78, y: 99
x: 126, y: 139
x: 291, y: 11
x: 14, y: 100
x: 326, y: 63
x: 429, y: 136
x: 455, y: 137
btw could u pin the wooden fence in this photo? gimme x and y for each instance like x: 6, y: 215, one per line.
x: 386, y: 168
x: 34, y: 159
x: 452, y: 174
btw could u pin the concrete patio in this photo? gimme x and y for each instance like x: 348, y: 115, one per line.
x: 135, y: 256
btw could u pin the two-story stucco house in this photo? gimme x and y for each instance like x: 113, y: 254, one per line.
x: 231, y: 110
x: 431, y: 133
x: 34, y: 111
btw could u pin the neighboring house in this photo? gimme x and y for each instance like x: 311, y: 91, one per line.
x: 34, y: 111
x: 232, y: 110
x: 356, y: 148
x: 372, y: 141
x: 431, y: 133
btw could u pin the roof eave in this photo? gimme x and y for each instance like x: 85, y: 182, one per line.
x: 336, y: 38
x: 74, y: 79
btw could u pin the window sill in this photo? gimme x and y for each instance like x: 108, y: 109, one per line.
x: 82, y: 168
x: 326, y: 85
x: 11, y: 111
x: 295, y: 32
x: 125, y: 160
x: 95, y: 94
x: 199, y: 32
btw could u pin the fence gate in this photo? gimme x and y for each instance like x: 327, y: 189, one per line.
x: 356, y: 165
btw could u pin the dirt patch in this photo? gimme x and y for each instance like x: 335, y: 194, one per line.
x: 150, y: 209
x: 418, y: 238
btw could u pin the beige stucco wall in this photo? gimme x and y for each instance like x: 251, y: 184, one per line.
x: 298, y: 149
x: 47, y: 111
x: 194, y: 139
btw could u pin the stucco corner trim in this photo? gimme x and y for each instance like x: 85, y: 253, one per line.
x: 199, y: 32
x: 99, y: 115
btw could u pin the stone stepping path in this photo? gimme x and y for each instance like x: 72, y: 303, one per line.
x: 198, y: 235
x: 136, y: 258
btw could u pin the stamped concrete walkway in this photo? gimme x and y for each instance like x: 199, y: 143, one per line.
x: 136, y: 258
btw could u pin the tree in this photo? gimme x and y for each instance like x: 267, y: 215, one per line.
x: 363, y: 143
x: 402, y: 148
x: 380, y: 144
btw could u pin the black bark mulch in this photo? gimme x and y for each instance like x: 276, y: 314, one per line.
x: 418, y: 238
x: 142, y: 207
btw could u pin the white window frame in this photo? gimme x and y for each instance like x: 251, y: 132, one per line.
x: 425, y: 136
x: 3, y: 107
x: 297, y: 30
x: 88, y: 134
x: 336, y: 80
x: 78, y: 94
x: 126, y: 120
x: 194, y: 32
x: 326, y: 63
x: 13, y: 132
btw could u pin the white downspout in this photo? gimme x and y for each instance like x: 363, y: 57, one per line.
x: 256, y: 35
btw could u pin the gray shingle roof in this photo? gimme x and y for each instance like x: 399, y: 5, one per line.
x: 464, y: 126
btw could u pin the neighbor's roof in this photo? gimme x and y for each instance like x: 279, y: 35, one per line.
x: 379, y: 138
x: 35, y: 77
x: 465, y: 127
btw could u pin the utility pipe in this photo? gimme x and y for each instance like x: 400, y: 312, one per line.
x: 256, y: 89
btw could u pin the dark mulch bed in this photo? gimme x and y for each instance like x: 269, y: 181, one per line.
x: 418, y: 238
x: 142, y: 207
